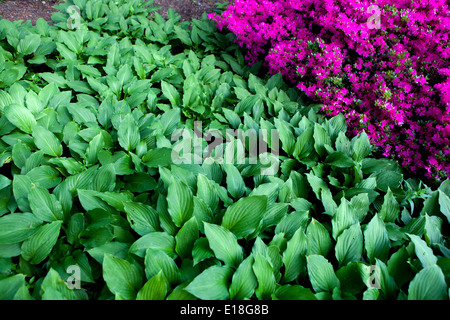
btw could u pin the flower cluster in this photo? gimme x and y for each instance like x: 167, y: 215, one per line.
x: 384, y: 64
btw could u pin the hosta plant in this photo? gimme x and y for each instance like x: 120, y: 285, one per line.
x: 94, y: 203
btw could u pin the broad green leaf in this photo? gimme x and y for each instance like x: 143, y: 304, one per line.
x: 321, y: 138
x: 37, y: 247
x: 201, y: 250
x: 154, y: 289
x: 54, y: 288
x: 44, y: 205
x: 11, y: 285
x: 206, y: 190
x: 244, y: 216
x: 244, y: 282
x: 343, y: 218
x: 155, y: 240
x: 224, y: 244
x: 17, y: 227
x: 349, y: 245
x: 264, y: 274
x: 47, y: 141
x: 444, y: 203
x: 304, y: 144
x: 186, y: 238
x: 390, y: 210
x: 142, y: 218
x: 293, y: 292
x: 321, y: 274
x: 121, y: 277
x: 183, y: 35
x: 286, y: 135
x: 211, y: 284
x: 171, y: 93
x: 376, y: 239
x: 423, y: 252
x: 235, y: 182
x: 294, y: 255
x: 21, y: 117
x: 29, y: 44
x: 156, y: 261
x: 128, y: 133
x: 361, y: 147
x: 105, y: 178
x: 428, y: 284
x: 319, y: 241
x: 180, y: 202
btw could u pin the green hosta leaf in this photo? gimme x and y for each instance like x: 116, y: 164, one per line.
x: 156, y: 261
x: 186, y: 238
x: 17, y: 227
x: 340, y: 160
x: 293, y: 292
x: 343, y: 218
x: 128, y: 133
x: 376, y: 239
x: 183, y: 35
x: 390, y: 210
x: 142, y: 218
x: 321, y: 138
x: 244, y: 282
x: 44, y: 205
x: 294, y: 255
x: 201, y: 250
x: 244, y: 216
x: 444, y: 203
x: 11, y: 285
x: 207, y: 191
x: 266, y: 280
x: 47, y: 142
x: 105, y: 178
x: 95, y: 145
x: 154, y: 289
x: 121, y: 277
x: 304, y: 145
x: 211, y: 284
x: 286, y: 135
x: 29, y: 44
x: 88, y: 70
x: 321, y: 274
x: 156, y: 240
x: 171, y: 93
x: 180, y: 202
x: 433, y: 233
x: 423, y: 252
x: 37, y: 247
x: 349, y: 245
x: 224, y: 244
x: 54, y: 288
x: 21, y: 117
x: 361, y: 147
x: 319, y: 241
x: 428, y: 284
x: 235, y: 182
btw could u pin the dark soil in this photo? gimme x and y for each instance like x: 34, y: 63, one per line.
x: 33, y: 9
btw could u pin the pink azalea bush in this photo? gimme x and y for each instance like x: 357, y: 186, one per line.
x: 384, y: 64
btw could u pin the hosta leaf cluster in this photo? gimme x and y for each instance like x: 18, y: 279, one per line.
x: 88, y: 118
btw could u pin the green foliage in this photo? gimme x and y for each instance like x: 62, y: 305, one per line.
x: 87, y: 120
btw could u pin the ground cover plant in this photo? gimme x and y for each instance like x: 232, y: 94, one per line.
x: 384, y: 64
x: 90, y: 120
